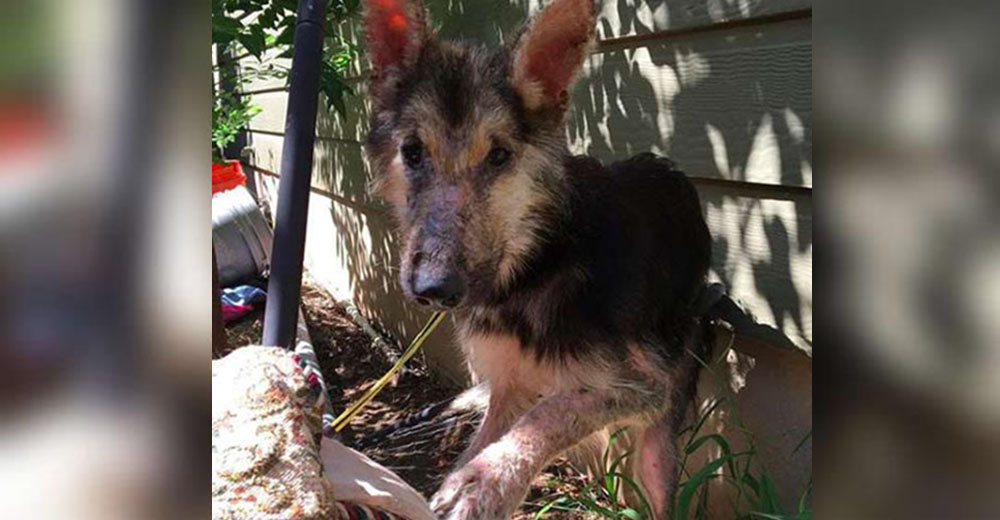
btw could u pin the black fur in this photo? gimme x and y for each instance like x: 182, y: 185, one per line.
x: 623, y: 252
x: 616, y: 259
x: 622, y: 262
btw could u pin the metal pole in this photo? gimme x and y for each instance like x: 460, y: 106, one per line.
x: 285, y: 283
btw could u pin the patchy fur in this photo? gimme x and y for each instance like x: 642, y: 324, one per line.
x: 571, y: 282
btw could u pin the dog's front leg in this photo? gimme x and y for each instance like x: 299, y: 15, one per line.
x: 505, y: 406
x: 494, y: 483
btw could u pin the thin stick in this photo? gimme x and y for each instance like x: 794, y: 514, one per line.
x: 418, y: 341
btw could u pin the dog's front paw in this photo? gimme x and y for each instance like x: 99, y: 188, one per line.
x: 481, y: 490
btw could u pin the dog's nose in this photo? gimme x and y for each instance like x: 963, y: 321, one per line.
x: 439, y: 286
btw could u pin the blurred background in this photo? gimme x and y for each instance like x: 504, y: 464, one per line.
x: 908, y: 147
x: 105, y: 322
x: 104, y: 259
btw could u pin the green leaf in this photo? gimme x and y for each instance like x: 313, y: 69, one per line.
x: 700, y: 478
x: 751, y: 482
x: 619, y: 461
x: 701, y: 509
x: 631, y: 514
x: 224, y: 29
x: 334, y: 89
x: 804, y: 497
x: 768, y: 516
x: 541, y: 512
x: 719, y: 440
x: 268, y: 18
x: 593, y: 507
x: 287, y: 34
x: 254, y: 41
x: 635, y: 490
x: 696, y: 427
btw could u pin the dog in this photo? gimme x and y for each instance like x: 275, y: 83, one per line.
x: 571, y: 283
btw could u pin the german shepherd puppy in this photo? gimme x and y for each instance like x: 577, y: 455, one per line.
x: 571, y: 283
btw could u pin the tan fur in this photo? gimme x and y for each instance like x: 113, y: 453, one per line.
x: 486, y: 126
x: 500, y: 361
x: 392, y: 185
x: 510, y: 200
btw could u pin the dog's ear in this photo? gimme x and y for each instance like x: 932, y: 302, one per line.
x: 396, y: 31
x: 549, y: 52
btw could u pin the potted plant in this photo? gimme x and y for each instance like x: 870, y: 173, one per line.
x: 252, y: 40
x: 230, y: 115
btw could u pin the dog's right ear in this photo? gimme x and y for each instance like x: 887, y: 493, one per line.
x: 396, y: 31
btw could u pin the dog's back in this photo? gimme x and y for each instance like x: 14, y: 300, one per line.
x: 648, y: 230
x: 620, y: 262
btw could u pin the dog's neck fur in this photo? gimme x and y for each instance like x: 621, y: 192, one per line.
x: 554, y: 266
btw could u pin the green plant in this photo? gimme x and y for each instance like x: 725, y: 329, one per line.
x: 755, y: 490
x: 229, y: 115
x: 258, y: 35
x: 599, y: 498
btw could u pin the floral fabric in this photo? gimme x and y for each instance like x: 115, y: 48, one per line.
x: 266, y: 424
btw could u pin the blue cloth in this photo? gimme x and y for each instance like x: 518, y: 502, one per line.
x: 243, y: 295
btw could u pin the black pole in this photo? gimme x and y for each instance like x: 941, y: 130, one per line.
x: 284, y: 286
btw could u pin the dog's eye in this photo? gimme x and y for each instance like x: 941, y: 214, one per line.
x: 498, y: 156
x: 413, y: 153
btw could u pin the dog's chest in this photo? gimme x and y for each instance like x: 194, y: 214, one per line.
x: 503, y: 363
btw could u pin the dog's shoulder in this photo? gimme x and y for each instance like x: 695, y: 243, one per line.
x: 644, y: 177
x: 647, y: 161
x: 650, y: 170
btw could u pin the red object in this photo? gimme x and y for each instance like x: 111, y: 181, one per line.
x: 24, y: 125
x: 227, y: 176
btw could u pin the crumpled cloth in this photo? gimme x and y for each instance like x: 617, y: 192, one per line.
x: 238, y: 301
x: 269, y: 461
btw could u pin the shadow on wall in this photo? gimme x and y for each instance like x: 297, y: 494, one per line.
x: 733, y: 106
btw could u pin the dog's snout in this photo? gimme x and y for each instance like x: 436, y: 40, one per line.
x: 433, y: 284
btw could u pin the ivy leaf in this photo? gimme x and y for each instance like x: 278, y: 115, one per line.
x: 224, y: 29
x: 268, y: 18
x: 287, y: 34
x: 334, y: 89
x: 254, y: 41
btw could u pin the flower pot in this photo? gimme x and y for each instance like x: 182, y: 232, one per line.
x: 227, y: 176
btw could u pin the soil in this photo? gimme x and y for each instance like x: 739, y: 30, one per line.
x: 422, y: 454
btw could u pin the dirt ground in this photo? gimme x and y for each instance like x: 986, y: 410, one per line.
x: 350, y: 365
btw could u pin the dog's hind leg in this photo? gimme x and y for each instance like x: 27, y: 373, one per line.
x: 656, y: 463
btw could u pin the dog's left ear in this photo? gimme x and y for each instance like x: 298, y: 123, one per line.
x: 549, y: 53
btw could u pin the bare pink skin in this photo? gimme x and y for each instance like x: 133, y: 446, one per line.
x: 657, y: 465
x: 493, y: 484
x: 537, y: 411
